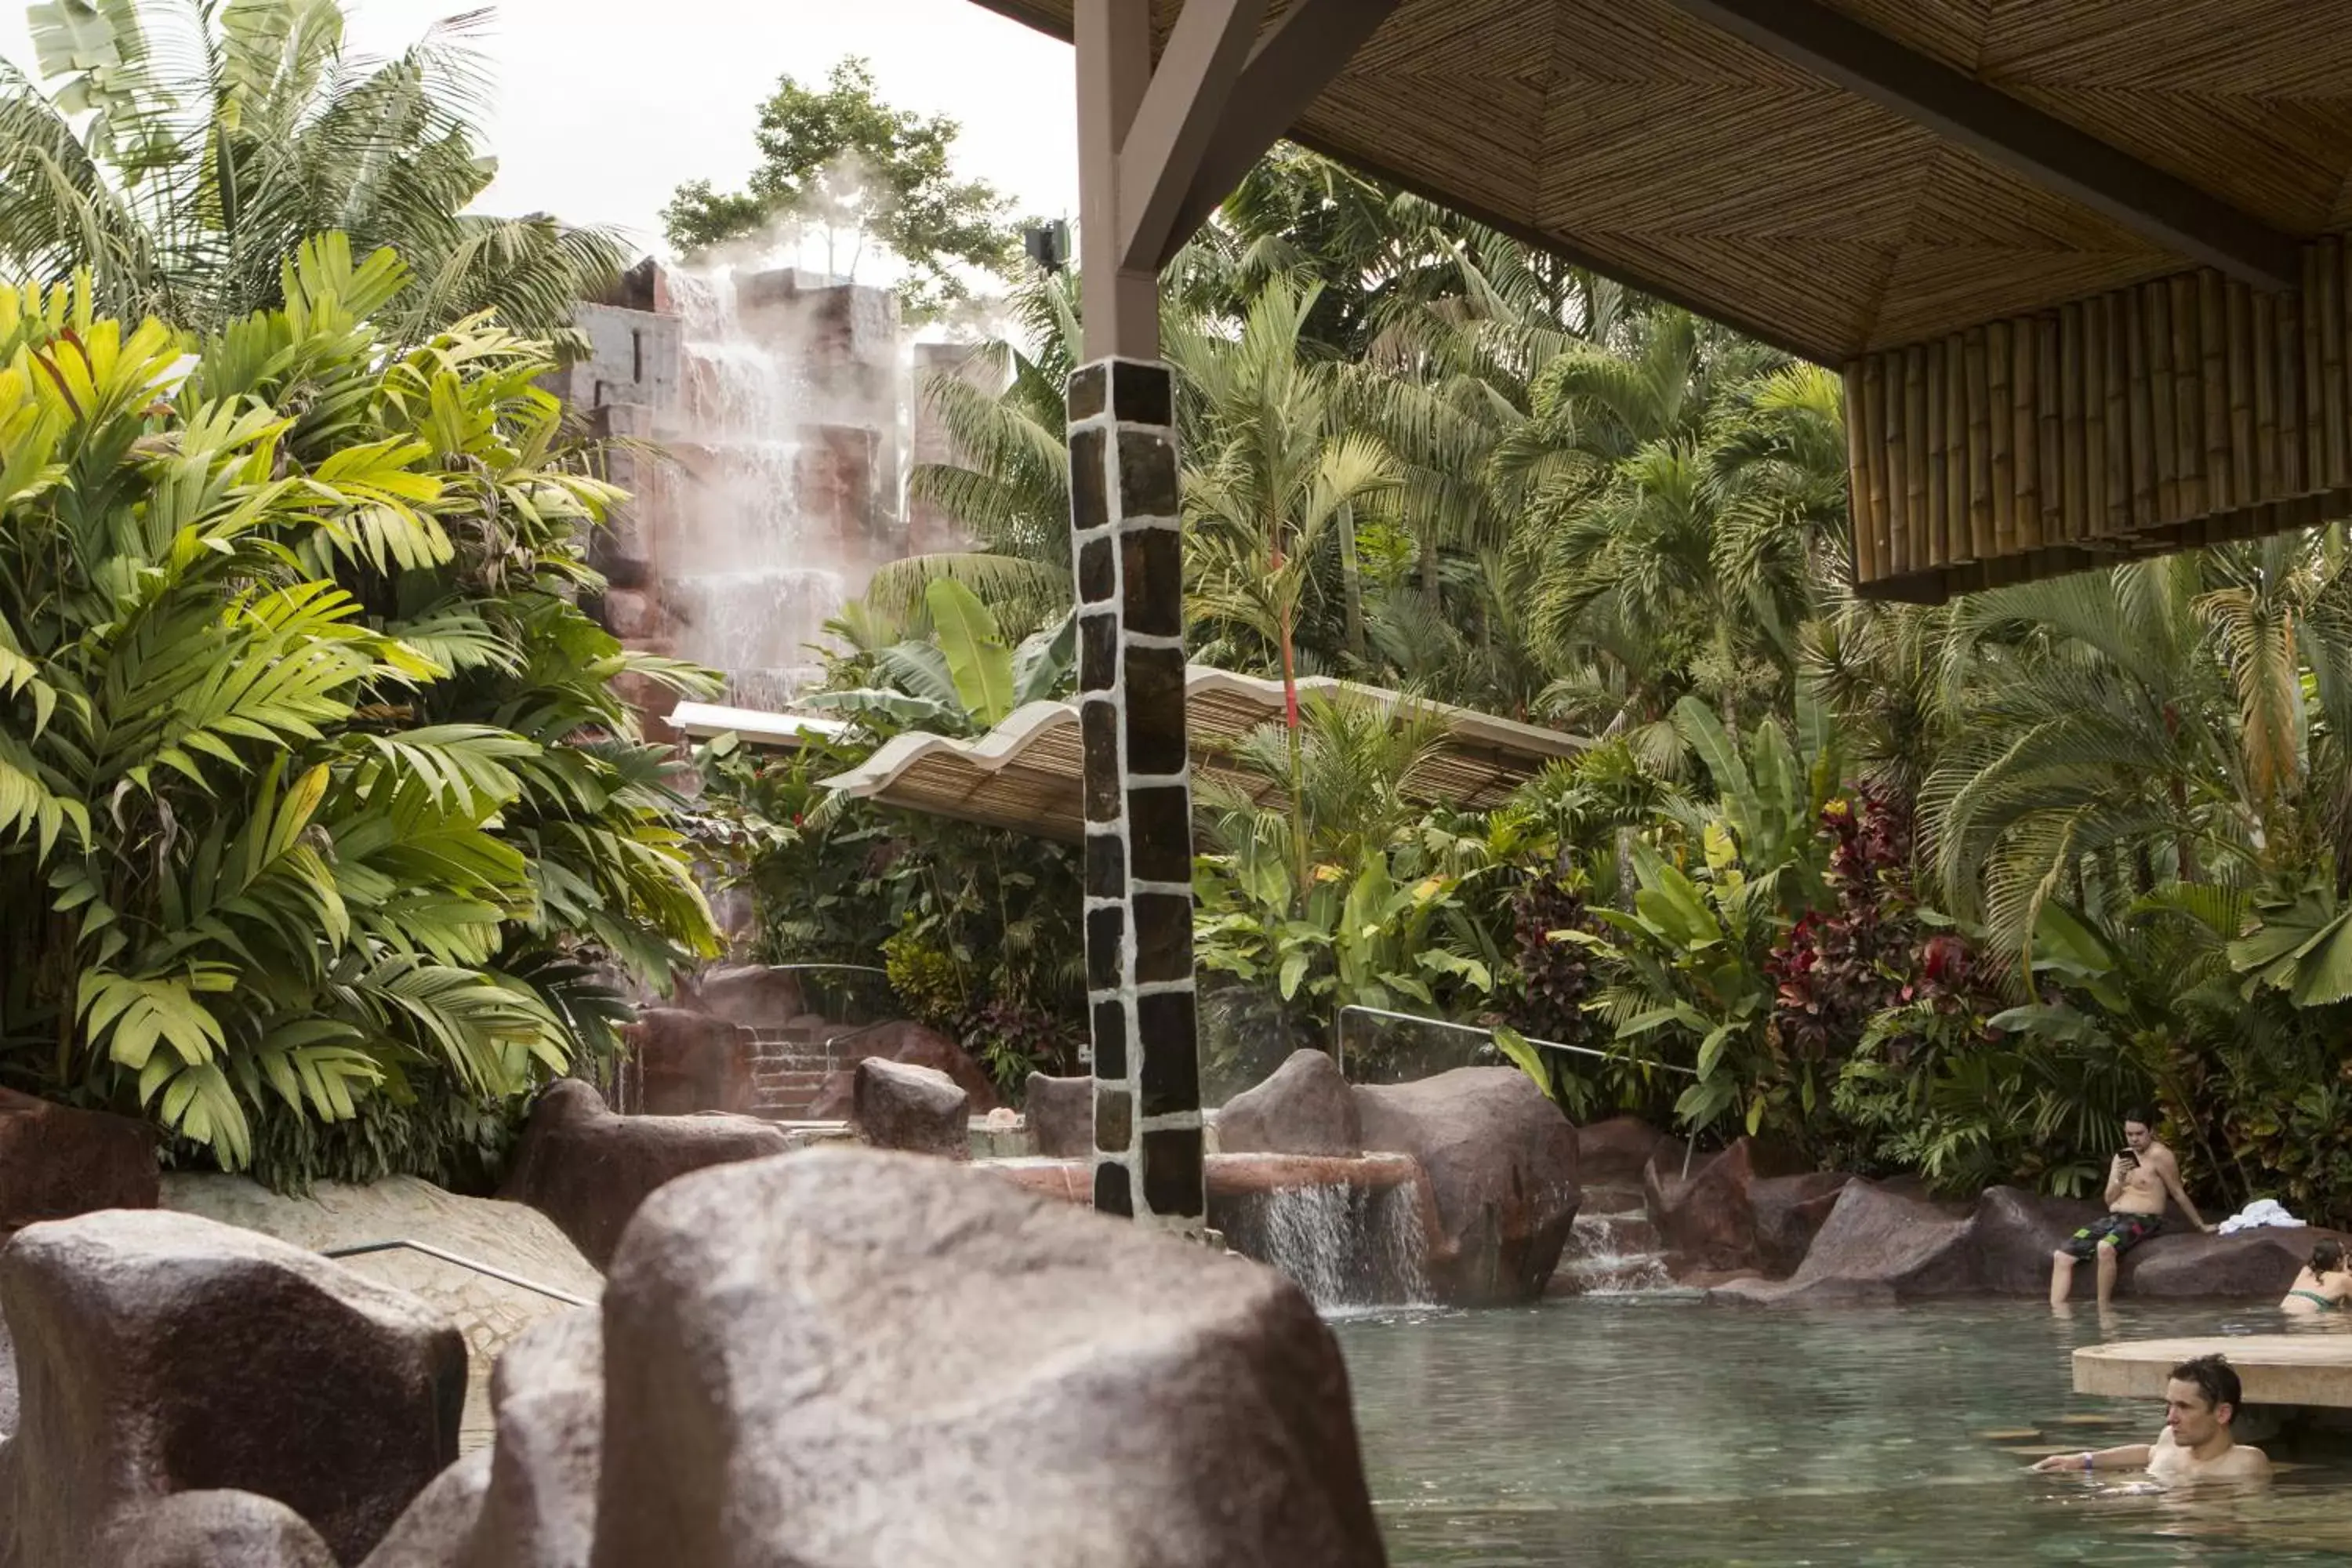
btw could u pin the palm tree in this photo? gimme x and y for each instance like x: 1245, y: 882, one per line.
x: 185, y: 150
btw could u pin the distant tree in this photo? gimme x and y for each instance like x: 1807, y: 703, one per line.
x: 182, y: 153
x: 841, y: 163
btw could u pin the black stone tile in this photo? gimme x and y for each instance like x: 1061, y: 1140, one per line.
x: 1171, y: 1052
x: 1171, y: 1171
x: 1155, y: 710
x: 1147, y: 475
x: 1096, y: 580
x: 1104, y: 929
x: 1142, y: 393
x: 1111, y: 1040
x: 1086, y: 390
x: 1114, y: 1120
x: 1112, y: 1195
x: 1106, y: 865
x: 1163, y: 937
x: 1151, y: 586
x: 1089, y: 500
x: 1098, y: 733
x: 1097, y: 651
x: 1159, y: 834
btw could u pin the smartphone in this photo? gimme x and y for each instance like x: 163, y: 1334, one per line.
x: 2128, y: 1158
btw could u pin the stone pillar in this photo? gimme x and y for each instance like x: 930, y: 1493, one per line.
x: 1128, y: 552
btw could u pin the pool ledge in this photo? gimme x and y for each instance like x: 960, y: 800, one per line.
x: 2276, y: 1369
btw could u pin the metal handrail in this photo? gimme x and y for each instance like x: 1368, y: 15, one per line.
x: 1339, y: 1033
x: 860, y: 968
x: 361, y: 1248
x: 1339, y: 1055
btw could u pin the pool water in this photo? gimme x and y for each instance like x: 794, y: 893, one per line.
x: 1620, y: 1431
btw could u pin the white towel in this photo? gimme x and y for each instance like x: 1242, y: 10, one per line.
x: 2261, y: 1212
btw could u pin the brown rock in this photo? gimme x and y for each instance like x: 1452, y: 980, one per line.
x: 826, y: 1360
x: 918, y: 1109
x: 1619, y: 1149
x: 57, y: 1161
x: 1709, y: 1220
x: 754, y: 994
x: 1304, y: 1107
x: 213, y: 1529
x: 1789, y: 1211
x: 632, y: 613
x: 2251, y: 1265
x: 903, y: 1040
x: 437, y: 1530
x: 1061, y: 1113
x: 160, y: 1352
x: 691, y: 1061
x: 1873, y: 1240
x: 2014, y: 1232
x: 588, y: 1170
x: 1501, y: 1163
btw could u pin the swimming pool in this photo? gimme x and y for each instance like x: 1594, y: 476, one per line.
x: 1630, y: 1430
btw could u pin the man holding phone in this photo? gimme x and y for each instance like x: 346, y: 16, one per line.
x: 2140, y: 1180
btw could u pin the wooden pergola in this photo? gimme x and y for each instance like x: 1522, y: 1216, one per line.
x: 2081, y: 263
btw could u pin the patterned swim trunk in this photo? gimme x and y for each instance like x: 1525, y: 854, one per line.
x: 2125, y: 1230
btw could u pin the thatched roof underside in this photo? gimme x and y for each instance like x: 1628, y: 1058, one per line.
x: 1025, y: 775
x: 1663, y: 151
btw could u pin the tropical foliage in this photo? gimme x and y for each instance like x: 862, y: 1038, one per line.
x: 314, y: 800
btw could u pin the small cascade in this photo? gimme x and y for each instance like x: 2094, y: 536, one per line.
x: 1612, y: 1255
x: 1346, y: 1245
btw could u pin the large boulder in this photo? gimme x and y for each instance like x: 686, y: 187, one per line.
x: 529, y: 1501
x: 754, y: 994
x: 1061, y: 1113
x: 1501, y: 1164
x: 588, y: 1170
x: 1304, y: 1107
x: 691, y: 1061
x: 1707, y: 1221
x: 825, y: 1360
x: 160, y: 1352
x: 2014, y: 1231
x: 437, y: 1531
x: 919, y: 1110
x: 213, y: 1529
x: 919, y: 1045
x: 1876, y: 1245
x: 2251, y: 1265
x: 57, y: 1161
x: 1789, y: 1211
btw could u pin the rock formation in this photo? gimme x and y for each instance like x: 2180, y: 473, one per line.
x: 1501, y: 1162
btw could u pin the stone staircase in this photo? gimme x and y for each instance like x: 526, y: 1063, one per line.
x: 790, y: 1065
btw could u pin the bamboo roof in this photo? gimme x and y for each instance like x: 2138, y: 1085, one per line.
x: 1956, y: 162
x: 1025, y: 775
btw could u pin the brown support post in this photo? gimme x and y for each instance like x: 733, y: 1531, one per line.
x: 1156, y: 153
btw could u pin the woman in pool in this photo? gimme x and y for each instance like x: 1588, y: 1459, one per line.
x: 2324, y: 1284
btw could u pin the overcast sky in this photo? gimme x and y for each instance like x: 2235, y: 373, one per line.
x: 603, y: 108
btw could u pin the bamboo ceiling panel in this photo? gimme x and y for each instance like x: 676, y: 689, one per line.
x: 1634, y: 136
x: 1025, y: 775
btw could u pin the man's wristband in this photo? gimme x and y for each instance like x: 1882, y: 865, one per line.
x: 2087, y: 1457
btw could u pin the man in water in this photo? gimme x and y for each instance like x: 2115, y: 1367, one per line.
x: 2200, y: 1401
x: 2139, y: 1179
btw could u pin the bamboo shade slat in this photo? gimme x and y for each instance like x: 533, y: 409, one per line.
x: 2191, y: 409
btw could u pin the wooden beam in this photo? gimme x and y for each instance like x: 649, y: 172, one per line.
x: 1120, y: 305
x: 2044, y: 149
x: 1306, y: 50
x: 1160, y: 156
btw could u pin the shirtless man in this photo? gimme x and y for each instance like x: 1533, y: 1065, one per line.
x: 2200, y: 1401
x: 2139, y: 1179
